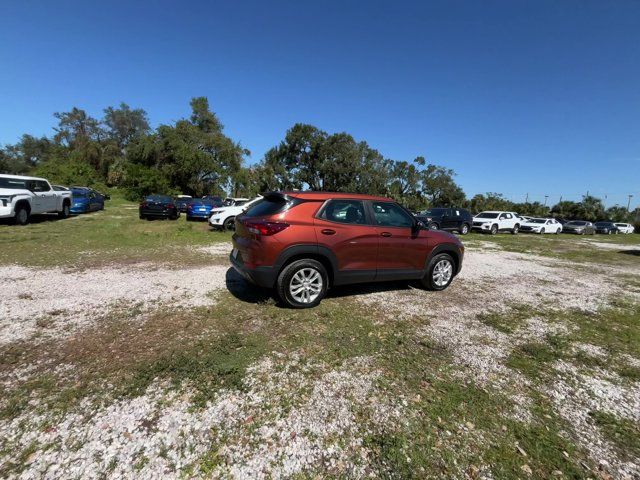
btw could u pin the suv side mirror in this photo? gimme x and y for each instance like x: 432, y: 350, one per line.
x: 416, y: 226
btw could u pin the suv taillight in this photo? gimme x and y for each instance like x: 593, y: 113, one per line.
x: 262, y: 227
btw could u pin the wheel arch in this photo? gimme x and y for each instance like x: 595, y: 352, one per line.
x: 450, y: 249
x: 23, y: 203
x: 311, y: 251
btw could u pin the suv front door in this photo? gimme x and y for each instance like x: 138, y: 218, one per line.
x: 401, y: 252
x: 343, y: 226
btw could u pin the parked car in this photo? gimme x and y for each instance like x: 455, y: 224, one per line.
x: 625, y: 227
x: 215, y: 199
x: 182, y: 202
x: 302, y: 243
x: 21, y: 197
x: 579, y: 227
x: 451, y: 219
x: 200, y: 209
x: 541, y: 225
x: 158, y: 206
x: 493, y: 222
x: 86, y: 200
x: 606, y: 227
x: 234, y: 201
x: 224, y: 218
x: 60, y: 188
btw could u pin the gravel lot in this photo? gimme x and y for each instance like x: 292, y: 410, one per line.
x: 292, y: 415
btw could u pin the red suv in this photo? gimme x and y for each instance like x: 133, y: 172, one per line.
x: 302, y: 243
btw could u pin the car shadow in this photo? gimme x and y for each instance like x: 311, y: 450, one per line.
x: 36, y: 219
x: 246, y: 292
x: 635, y: 253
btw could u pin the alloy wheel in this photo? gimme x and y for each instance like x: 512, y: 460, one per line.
x: 442, y: 273
x: 305, y: 285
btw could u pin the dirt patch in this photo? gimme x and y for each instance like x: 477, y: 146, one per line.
x: 291, y: 416
x: 62, y: 301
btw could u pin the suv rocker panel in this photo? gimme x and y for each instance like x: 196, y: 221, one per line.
x: 266, y: 276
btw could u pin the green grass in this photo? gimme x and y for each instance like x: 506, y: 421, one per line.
x: 574, y: 248
x: 615, y: 329
x: 621, y: 432
x: 115, y: 234
x: 509, y: 322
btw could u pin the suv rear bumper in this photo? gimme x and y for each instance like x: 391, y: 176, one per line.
x: 261, y: 276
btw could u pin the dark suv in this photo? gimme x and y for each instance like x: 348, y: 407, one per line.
x: 302, y: 243
x: 451, y: 219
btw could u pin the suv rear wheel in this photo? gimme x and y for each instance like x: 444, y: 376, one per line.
x: 302, y: 283
x: 464, y: 229
x: 439, y: 272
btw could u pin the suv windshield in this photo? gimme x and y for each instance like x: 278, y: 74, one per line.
x: 604, y: 224
x: 580, y: 224
x: 537, y: 220
x: 77, y: 193
x: 487, y: 215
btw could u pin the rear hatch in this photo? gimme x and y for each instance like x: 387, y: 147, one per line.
x: 259, y: 221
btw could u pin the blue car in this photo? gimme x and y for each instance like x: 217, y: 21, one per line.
x: 86, y: 200
x: 200, y: 209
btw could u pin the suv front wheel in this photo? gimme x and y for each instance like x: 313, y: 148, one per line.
x: 302, y: 283
x: 439, y: 272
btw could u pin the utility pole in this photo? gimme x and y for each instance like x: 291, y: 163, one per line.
x: 629, y: 202
x: 527, y: 199
x: 545, y: 200
x: 560, y: 199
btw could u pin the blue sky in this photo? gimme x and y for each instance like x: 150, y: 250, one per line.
x: 516, y: 96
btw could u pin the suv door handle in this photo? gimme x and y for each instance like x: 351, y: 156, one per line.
x: 327, y: 231
x: 385, y: 234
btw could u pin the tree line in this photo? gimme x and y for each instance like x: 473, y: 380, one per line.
x: 194, y: 156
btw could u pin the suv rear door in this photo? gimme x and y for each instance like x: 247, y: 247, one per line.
x: 343, y: 226
x: 400, y: 253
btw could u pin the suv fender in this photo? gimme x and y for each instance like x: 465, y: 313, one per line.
x: 313, y: 251
x: 451, y: 249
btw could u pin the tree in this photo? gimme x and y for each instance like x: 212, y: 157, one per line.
x: 489, y: 201
x: 620, y: 214
x: 439, y: 187
x: 123, y: 125
x: 76, y: 128
x: 193, y: 156
x: 27, y: 153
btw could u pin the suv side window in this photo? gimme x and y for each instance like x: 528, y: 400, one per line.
x: 40, y: 186
x: 391, y: 215
x: 344, y: 211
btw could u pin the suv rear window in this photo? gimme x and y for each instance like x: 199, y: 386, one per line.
x: 268, y: 206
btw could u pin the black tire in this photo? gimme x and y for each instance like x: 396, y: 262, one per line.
x: 22, y: 215
x: 229, y: 224
x: 516, y: 229
x: 431, y: 283
x: 558, y: 231
x: 434, y: 226
x: 464, y: 230
x: 542, y: 231
x: 286, y: 277
x: 494, y: 229
x: 141, y: 216
x: 65, y: 211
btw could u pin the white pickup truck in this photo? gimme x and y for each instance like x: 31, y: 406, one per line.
x: 21, y: 197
